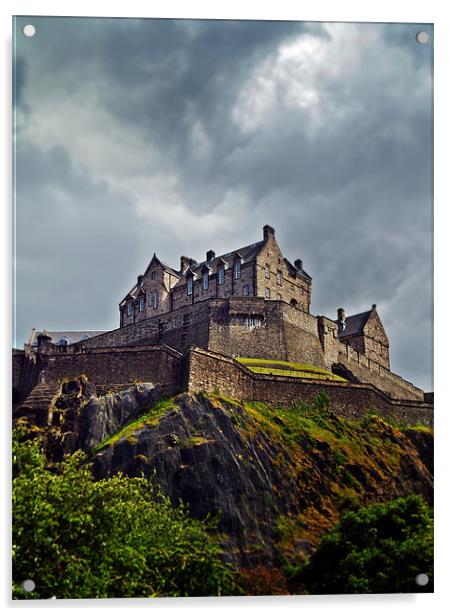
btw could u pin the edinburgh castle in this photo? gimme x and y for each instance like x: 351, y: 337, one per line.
x: 213, y: 325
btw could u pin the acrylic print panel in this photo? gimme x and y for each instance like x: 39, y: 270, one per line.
x: 255, y: 416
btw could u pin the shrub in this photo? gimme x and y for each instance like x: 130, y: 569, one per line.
x: 120, y: 537
x: 378, y: 549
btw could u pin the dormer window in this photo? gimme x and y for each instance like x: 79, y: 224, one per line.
x: 141, y: 304
x: 221, y: 275
x: 63, y: 342
x: 237, y: 270
x: 205, y: 281
x: 129, y: 309
x: 190, y: 285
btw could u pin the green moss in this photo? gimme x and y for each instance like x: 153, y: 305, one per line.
x: 149, y: 417
x: 286, y: 368
x: 195, y: 441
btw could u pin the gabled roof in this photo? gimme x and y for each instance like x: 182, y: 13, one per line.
x: 70, y: 336
x: 355, y: 323
x: 299, y: 272
x: 247, y: 254
x: 166, y: 267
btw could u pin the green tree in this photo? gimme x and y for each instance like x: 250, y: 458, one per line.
x: 378, y: 549
x: 120, y: 537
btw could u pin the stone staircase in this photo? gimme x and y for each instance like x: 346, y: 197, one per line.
x: 36, y: 406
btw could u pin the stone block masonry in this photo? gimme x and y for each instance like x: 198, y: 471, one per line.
x: 210, y: 371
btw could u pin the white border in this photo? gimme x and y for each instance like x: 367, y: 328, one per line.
x: 432, y: 11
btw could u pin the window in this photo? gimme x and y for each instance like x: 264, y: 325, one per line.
x: 152, y: 275
x: 141, y: 304
x: 221, y: 275
x: 129, y: 309
x: 267, y: 271
x: 190, y: 285
x: 278, y: 277
x: 153, y: 299
x: 252, y: 321
x: 267, y: 293
x: 237, y: 270
x: 246, y: 290
x: 279, y: 296
x: 205, y: 281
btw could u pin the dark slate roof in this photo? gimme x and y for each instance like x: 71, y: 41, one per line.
x: 247, y: 254
x: 300, y: 272
x: 354, y: 324
x: 71, y: 336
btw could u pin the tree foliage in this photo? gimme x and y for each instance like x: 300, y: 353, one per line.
x: 119, y: 537
x: 378, y: 549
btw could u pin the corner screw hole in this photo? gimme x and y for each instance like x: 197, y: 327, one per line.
x: 28, y: 585
x: 422, y: 37
x: 29, y: 30
x: 422, y: 579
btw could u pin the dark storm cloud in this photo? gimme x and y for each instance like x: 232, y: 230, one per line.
x: 179, y: 136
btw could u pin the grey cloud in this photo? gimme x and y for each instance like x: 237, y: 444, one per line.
x: 353, y: 198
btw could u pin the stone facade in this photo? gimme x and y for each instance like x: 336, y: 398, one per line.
x: 258, y: 270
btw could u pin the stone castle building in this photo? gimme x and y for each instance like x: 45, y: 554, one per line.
x: 183, y: 328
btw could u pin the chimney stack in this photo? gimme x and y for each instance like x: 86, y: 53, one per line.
x: 210, y: 255
x: 298, y: 264
x: 268, y: 232
x: 184, y: 263
x: 139, y: 280
x: 340, y: 314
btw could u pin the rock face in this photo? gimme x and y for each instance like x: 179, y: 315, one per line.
x: 277, y: 479
x: 81, y: 420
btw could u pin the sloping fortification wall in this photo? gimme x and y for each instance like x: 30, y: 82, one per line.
x: 367, y: 371
x: 208, y: 371
x: 121, y: 365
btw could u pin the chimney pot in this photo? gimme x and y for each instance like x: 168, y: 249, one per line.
x: 184, y: 262
x: 139, y: 280
x: 298, y: 264
x: 268, y: 232
x: 374, y: 306
x: 210, y: 255
x: 340, y: 314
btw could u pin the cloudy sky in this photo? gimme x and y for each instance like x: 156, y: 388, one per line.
x: 135, y: 136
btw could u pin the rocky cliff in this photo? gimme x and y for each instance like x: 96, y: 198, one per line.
x: 276, y: 478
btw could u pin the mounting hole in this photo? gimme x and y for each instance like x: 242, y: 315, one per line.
x: 28, y: 585
x: 29, y: 30
x: 422, y: 579
x: 422, y: 37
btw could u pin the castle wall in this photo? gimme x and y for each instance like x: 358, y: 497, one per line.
x: 369, y: 371
x: 209, y: 371
x: 255, y: 327
x: 178, y: 329
x: 120, y: 365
